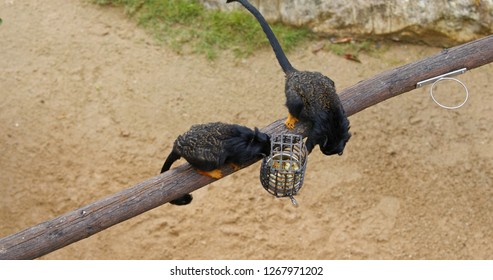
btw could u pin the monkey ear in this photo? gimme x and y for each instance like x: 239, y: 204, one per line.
x: 260, y: 136
x: 257, y: 134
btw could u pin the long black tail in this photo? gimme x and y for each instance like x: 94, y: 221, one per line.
x: 281, y: 57
x: 172, y: 157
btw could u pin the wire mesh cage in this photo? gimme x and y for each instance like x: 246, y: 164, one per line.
x: 283, y: 171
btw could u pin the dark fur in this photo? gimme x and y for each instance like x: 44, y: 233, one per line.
x: 330, y: 131
x: 310, y: 96
x: 209, y: 146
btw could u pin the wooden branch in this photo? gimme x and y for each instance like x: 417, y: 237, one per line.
x: 404, y: 78
x: 95, y: 217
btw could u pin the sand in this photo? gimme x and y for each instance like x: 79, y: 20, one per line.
x: 91, y: 104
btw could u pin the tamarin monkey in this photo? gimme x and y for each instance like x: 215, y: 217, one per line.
x: 209, y: 146
x: 310, y: 97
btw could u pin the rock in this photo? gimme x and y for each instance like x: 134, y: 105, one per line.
x: 438, y: 23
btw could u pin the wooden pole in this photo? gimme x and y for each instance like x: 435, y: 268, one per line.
x: 71, y: 227
x: 404, y: 78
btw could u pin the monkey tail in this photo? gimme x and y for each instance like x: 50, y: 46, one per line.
x: 172, y: 157
x: 281, y: 56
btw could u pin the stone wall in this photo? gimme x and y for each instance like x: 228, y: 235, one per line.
x: 438, y: 22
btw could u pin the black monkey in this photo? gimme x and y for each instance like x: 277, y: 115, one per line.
x: 209, y: 146
x: 310, y: 96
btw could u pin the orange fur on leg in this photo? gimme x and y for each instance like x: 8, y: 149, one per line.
x: 216, y: 173
x: 235, y: 166
x: 290, y: 121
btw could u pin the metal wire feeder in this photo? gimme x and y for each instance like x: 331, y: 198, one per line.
x: 283, y: 171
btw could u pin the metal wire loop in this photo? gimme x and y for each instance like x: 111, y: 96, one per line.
x: 444, y: 106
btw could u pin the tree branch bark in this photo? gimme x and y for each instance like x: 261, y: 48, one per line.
x: 81, y: 223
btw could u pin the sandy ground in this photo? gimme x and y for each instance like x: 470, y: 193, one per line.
x: 90, y: 105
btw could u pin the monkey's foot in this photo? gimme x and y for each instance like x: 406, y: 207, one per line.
x: 184, y: 200
x: 235, y: 166
x: 289, y: 123
x: 216, y: 173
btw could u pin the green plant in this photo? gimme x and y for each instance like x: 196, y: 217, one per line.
x: 350, y: 47
x: 187, y: 25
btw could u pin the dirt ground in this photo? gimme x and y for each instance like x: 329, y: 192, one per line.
x: 90, y: 105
